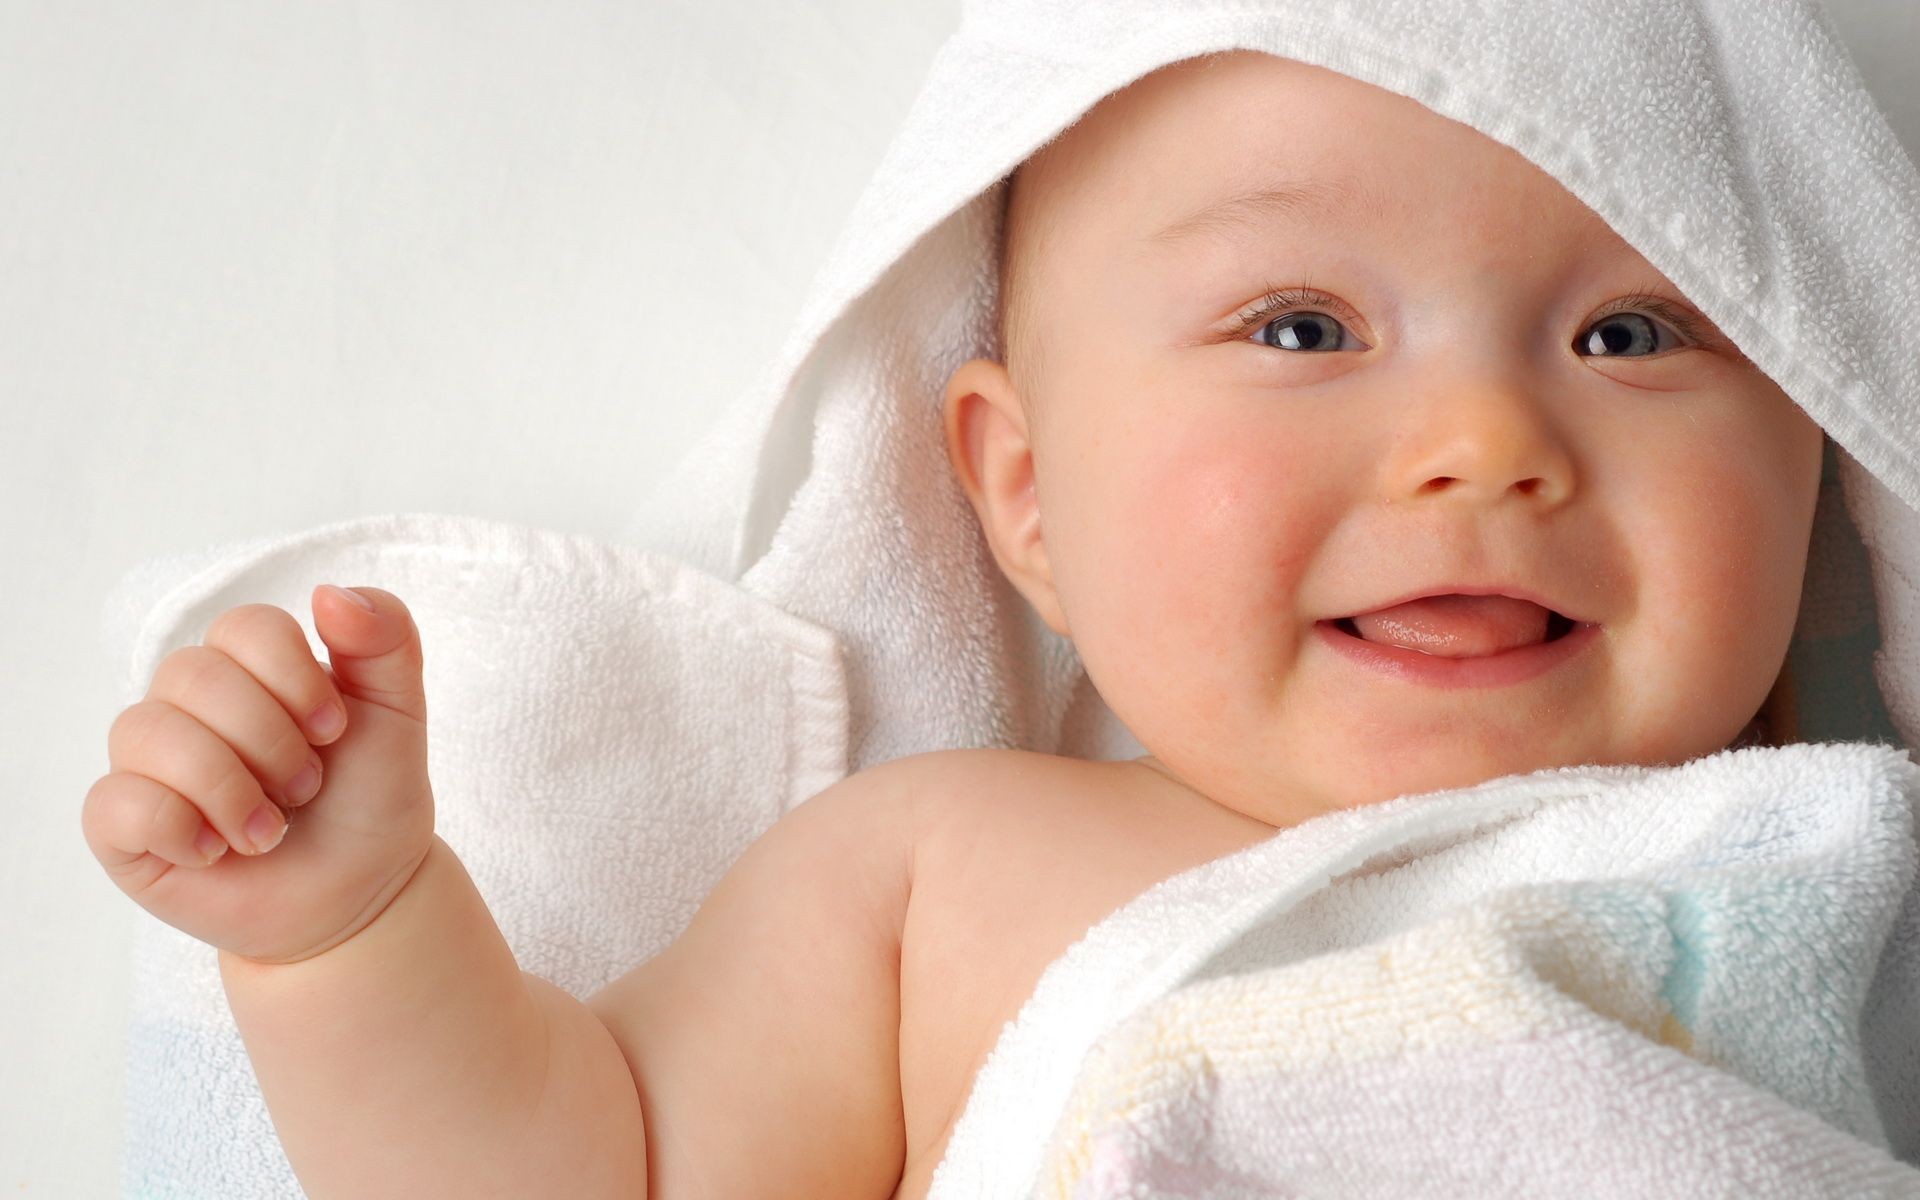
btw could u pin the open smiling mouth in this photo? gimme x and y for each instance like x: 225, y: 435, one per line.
x: 1453, y: 641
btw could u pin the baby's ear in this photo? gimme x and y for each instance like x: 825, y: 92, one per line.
x: 991, y: 452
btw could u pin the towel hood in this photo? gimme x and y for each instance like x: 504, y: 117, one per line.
x: 836, y: 455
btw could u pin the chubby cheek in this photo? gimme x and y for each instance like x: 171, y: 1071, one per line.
x: 1201, y: 547
x: 1723, y: 560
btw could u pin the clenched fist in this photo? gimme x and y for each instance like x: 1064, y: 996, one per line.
x: 260, y: 801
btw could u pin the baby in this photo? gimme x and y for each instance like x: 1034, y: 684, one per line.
x: 1356, y: 457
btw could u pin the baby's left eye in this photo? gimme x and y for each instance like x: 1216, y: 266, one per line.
x: 1625, y: 331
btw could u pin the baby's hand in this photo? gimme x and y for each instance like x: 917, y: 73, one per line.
x: 224, y: 732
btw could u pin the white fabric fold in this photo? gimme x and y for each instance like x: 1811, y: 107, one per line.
x: 1619, y: 981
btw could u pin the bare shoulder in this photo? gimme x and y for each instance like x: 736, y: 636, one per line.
x: 988, y: 810
x: 1016, y: 855
x: 1011, y: 806
x: 1006, y: 835
x: 974, y: 783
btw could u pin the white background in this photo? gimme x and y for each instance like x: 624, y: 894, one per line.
x: 276, y: 264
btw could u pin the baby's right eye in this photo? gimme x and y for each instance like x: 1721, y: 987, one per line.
x: 1303, y: 331
x: 1287, y: 313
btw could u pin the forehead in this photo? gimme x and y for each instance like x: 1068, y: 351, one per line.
x: 1240, y: 211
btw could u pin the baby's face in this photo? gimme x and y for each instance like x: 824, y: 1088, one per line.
x: 1477, y: 391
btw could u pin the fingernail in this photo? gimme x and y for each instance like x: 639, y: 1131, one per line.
x: 210, y: 844
x: 301, y: 787
x: 265, y: 828
x: 352, y: 595
x: 326, y: 720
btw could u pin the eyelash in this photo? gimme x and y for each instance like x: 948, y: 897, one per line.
x: 1278, y: 301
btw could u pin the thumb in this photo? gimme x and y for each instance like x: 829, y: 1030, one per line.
x: 375, y: 655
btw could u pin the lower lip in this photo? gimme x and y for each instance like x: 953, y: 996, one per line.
x: 1487, y: 670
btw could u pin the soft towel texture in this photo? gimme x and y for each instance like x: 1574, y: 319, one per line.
x: 1602, y: 981
x: 818, y: 528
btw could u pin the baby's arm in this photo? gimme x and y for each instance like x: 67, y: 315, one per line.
x: 417, y: 1059
x: 401, y: 1050
x: 764, y: 1040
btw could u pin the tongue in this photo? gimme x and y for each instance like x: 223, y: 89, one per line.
x: 1456, y: 626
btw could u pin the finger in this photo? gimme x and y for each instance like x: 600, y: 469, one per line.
x: 231, y: 701
x: 171, y: 747
x: 376, y: 653
x: 270, y: 644
x: 127, y: 817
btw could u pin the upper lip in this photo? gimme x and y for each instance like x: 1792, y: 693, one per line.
x: 1475, y: 589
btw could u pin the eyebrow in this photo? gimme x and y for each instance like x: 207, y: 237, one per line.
x: 1247, y: 211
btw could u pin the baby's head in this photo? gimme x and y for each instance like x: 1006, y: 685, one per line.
x: 1417, y: 362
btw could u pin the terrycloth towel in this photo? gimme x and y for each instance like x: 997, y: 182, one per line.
x: 809, y: 592
x: 1606, y: 981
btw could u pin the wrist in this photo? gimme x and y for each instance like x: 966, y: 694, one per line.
x: 378, y: 906
x: 423, y: 1010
